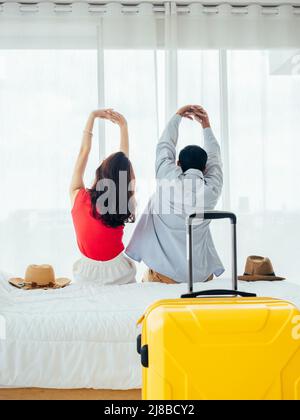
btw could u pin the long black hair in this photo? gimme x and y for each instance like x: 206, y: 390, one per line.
x: 109, y: 172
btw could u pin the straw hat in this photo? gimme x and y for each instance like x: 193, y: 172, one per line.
x: 39, y: 277
x: 259, y: 269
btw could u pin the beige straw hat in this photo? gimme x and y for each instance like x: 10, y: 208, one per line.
x: 39, y: 277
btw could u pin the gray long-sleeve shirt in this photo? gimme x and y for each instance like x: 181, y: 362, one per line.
x: 159, y: 239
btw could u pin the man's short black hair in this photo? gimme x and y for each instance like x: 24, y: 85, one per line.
x: 193, y: 157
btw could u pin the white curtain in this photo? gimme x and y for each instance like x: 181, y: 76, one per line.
x: 58, y: 63
x: 199, y: 24
x: 44, y: 100
x: 264, y: 150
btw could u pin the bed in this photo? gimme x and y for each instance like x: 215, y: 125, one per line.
x: 81, y: 338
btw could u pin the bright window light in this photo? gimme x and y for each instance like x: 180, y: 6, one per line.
x: 46, y: 96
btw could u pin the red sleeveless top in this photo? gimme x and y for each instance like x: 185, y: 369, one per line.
x: 95, y: 240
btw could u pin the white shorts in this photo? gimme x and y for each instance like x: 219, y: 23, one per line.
x: 120, y: 270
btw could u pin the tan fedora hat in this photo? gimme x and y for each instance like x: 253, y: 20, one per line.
x: 39, y: 277
x: 259, y: 269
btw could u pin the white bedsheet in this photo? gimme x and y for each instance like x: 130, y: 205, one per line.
x: 86, y: 337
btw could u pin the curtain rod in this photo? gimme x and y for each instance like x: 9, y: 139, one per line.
x: 160, y: 4
x: 91, y: 8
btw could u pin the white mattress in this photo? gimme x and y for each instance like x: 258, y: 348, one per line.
x: 86, y: 337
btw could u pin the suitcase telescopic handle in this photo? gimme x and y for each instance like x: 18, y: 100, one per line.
x: 211, y: 215
x: 216, y: 293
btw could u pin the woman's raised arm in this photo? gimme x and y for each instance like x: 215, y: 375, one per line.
x: 120, y: 120
x: 77, y: 182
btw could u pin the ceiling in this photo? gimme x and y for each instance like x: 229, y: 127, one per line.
x: 206, y: 2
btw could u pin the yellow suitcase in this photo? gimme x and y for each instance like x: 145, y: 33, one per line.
x: 227, y: 345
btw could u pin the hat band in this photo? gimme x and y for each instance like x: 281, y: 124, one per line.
x: 36, y: 285
x: 272, y: 274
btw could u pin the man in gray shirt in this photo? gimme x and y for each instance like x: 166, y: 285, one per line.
x: 191, y: 184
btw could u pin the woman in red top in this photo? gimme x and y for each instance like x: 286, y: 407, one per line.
x: 100, y: 213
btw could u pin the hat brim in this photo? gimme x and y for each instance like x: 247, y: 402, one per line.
x: 260, y: 278
x: 21, y: 284
x: 61, y: 283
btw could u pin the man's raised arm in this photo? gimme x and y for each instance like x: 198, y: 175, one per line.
x: 214, y: 168
x: 166, y: 149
